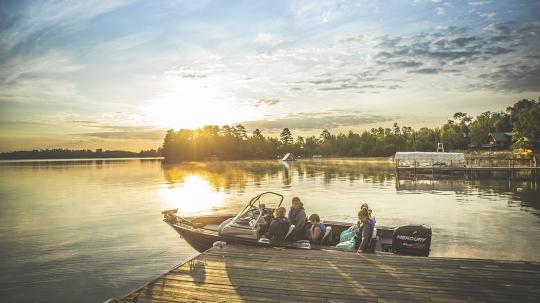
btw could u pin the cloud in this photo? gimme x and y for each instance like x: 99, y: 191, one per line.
x: 405, y: 64
x: 267, y: 102
x: 440, y: 11
x: 187, y: 73
x: 131, y: 134
x: 319, y: 12
x: 463, y: 41
x: 511, y: 78
x: 317, y: 120
x: 39, y: 90
x: 476, y: 3
x: 426, y: 71
x: 267, y: 39
x: 499, y: 29
x: 489, y: 16
x: 59, y: 15
x: 53, y: 62
x: 127, y: 42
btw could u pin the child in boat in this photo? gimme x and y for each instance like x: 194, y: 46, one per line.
x: 366, y: 225
x: 317, y: 230
x: 279, y: 226
x: 370, y: 212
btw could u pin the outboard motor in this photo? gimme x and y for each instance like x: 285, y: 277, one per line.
x: 414, y: 240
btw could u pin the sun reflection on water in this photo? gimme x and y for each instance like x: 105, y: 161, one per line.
x: 194, y: 195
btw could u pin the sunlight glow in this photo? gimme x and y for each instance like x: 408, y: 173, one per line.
x: 194, y: 195
x: 192, y: 102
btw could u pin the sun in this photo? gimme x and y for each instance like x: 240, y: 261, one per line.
x: 193, y: 103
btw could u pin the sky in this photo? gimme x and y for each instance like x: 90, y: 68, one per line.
x: 117, y: 74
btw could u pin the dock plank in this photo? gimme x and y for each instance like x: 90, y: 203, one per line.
x: 238, y: 273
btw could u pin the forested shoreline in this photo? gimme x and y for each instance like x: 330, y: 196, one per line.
x: 60, y: 153
x: 458, y: 133
x: 232, y: 142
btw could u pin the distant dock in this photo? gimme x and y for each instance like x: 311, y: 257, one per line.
x: 434, y: 165
x: 237, y: 273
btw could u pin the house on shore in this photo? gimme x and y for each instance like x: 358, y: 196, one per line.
x: 499, y: 140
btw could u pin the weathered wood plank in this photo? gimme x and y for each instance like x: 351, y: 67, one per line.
x: 254, y: 274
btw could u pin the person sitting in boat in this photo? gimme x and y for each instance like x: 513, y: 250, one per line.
x: 279, y: 226
x: 297, y: 216
x: 366, y: 225
x: 370, y: 212
x: 317, y: 230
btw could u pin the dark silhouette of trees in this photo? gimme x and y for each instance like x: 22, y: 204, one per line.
x: 61, y: 153
x: 525, y: 117
x: 232, y: 142
x: 286, y: 136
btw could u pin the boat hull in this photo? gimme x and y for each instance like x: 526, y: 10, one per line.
x: 202, y: 240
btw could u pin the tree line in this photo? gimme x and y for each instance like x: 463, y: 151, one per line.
x: 61, y: 153
x: 232, y: 142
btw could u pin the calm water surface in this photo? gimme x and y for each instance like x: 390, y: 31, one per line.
x: 85, y: 231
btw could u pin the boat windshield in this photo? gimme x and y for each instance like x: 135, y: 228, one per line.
x: 265, y: 202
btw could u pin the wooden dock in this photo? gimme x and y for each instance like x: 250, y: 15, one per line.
x: 238, y: 273
x: 472, y: 166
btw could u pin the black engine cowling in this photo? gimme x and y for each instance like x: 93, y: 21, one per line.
x: 412, y: 240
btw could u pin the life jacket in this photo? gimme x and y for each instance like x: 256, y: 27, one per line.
x: 322, y: 227
x: 283, y: 220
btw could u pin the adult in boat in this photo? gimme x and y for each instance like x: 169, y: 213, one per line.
x: 366, y: 225
x: 297, y: 217
x: 317, y: 230
x: 279, y: 226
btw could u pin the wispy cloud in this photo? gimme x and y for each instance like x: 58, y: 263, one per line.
x: 440, y: 11
x: 475, y: 3
x: 60, y: 15
x: 267, y: 39
x: 317, y: 120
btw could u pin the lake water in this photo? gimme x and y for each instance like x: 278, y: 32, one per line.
x: 89, y: 230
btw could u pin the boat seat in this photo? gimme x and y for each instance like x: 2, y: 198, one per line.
x: 327, y: 236
x: 289, y: 233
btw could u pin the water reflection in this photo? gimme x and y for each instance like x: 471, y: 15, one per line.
x: 193, y: 195
x: 197, y: 181
x: 227, y: 175
x: 89, y: 230
x: 470, y: 218
x: 430, y: 185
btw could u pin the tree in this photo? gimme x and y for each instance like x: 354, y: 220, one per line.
x: 240, y: 132
x: 481, y: 128
x: 325, y: 135
x: 453, y: 137
x: 286, y: 136
x: 257, y: 134
x: 526, y: 123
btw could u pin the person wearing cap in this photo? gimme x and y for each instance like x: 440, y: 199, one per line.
x: 279, y: 226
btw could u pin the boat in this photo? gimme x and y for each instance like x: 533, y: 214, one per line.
x: 288, y: 157
x: 249, y: 225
